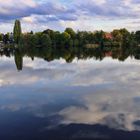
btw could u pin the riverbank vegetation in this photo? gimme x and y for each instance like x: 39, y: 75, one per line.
x: 70, y: 38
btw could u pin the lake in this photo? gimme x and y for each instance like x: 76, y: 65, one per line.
x: 85, y: 99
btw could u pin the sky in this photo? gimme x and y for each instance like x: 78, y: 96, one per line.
x: 90, y: 15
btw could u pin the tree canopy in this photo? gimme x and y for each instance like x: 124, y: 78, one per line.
x: 70, y: 38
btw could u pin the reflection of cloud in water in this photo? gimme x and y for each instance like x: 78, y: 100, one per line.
x: 115, y: 105
x: 107, y: 91
x: 33, y: 72
x: 107, y: 74
x: 81, y: 73
x: 115, y: 108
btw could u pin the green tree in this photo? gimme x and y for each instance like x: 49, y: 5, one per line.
x: 17, y: 31
x: 71, y: 32
x: 80, y: 37
x: 71, y: 43
x: 45, y: 40
x: 6, y: 38
x: 32, y: 32
x: 99, y: 36
x: 65, y: 37
x: 51, y: 34
x: 76, y: 42
x: 1, y: 37
x: 126, y: 35
x: 57, y: 38
x: 132, y: 40
x: 117, y: 36
x: 137, y: 36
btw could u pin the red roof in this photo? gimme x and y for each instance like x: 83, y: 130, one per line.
x: 108, y: 36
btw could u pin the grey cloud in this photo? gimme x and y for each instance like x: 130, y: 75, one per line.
x: 59, y: 11
x: 109, y: 9
x: 70, y: 11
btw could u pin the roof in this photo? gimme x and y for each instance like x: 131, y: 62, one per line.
x: 108, y: 36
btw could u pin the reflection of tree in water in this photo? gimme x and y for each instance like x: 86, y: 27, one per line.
x: 18, y: 60
x: 70, y: 53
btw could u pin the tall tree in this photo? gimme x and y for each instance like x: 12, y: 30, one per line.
x: 137, y: 36
x: 1, y: 37
x: 17, y: 31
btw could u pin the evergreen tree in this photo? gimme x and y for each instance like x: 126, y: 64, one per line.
x: 17, y: 31
x: 1, y: 37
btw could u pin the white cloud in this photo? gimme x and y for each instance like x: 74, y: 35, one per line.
x: 83, y: 15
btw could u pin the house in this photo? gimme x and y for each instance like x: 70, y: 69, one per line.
x: 108, y: 36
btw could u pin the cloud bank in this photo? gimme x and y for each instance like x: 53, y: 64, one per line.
x: 93, y: 14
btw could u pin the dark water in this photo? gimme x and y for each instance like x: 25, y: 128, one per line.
x: 82, y: 100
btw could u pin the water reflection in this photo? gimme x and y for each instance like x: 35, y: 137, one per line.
x: 84, y: 99
x: 18, y: 60
x: 69, y: 54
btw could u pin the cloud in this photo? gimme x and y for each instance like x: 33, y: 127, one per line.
x: 108, y: 8
x: 85, y: 15
x: 23, y: 9
x: 16, y: 9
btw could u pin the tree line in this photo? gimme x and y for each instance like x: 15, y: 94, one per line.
x: 70, y: 38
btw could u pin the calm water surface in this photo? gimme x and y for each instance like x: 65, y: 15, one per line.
x: 85, y: 99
